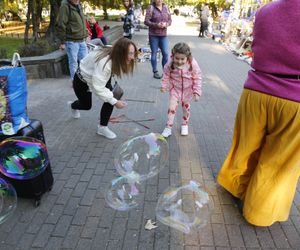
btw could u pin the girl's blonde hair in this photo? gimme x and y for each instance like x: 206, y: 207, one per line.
x: 118, y: 55
x: 182, y: 48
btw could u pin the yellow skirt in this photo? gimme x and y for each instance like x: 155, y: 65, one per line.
x: 263, y: 165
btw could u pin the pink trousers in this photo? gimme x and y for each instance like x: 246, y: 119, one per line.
x: 173, y: 105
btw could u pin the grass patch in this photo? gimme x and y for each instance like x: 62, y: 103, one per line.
x: 10, y: 45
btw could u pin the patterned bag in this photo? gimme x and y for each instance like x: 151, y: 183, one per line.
x: 13, y: 97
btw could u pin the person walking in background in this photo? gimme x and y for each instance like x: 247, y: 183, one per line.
x: 72, y: 32
x: 204, y: 15
x: 158, y: 18
x: 182, y: 78
x: 262, y: 167
x: 96, y: 36
x: 94, y: 75
x: 128, y: 19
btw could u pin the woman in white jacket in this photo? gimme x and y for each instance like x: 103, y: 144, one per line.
x: 94, y: 75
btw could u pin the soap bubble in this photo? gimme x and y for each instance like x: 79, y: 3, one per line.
x: 145, y: 155
x: 23, y: 158
x: 8, y: 200
x: 184, y: 208
x: 123, y: 192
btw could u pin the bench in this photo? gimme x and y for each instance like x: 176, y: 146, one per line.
x: 55, y: 64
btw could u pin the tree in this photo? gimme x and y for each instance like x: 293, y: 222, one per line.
x: 54, y: 8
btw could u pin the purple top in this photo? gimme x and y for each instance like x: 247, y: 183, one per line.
x: 276, y: 50
x: 154, y: 16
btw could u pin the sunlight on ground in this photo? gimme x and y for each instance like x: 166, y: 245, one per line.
x: 179, y: 26
x: 216, y: 82
x: 216, y: 48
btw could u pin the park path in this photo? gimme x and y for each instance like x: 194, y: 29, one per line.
x: 74, y: 215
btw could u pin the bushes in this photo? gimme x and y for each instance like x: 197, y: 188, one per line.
x: 39, y: 48
x: 3, y: 53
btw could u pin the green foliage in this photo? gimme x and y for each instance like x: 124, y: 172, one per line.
x: 39, y: 48
x: 3, y: 53
x: 9, y: 46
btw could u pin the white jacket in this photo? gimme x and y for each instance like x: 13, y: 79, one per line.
x: 96, y: 76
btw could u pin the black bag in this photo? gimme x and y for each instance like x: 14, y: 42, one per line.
x: 117, y: 91
x: 36, y: 187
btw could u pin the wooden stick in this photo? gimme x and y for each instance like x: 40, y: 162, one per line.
x: 138, y: 100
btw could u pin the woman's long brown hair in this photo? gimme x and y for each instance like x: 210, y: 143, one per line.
x: 118, y: 54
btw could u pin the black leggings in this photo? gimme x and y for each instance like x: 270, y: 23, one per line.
x: 84, y: 101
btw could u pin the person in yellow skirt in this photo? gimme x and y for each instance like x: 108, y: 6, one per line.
x: 263, y: 165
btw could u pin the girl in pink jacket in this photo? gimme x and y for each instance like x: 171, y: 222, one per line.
x: 182, y: 78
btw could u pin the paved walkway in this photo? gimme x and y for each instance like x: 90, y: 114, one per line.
x: 74, y: 215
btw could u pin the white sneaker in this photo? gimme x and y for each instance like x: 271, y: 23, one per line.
x: 167, y: 132
x: 75, y: 112
x: 106, y: 132
x: 184, y: 130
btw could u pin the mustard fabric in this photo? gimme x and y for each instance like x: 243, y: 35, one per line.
x: 263, y: 165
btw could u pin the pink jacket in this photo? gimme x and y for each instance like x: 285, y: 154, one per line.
x: 182, y: 83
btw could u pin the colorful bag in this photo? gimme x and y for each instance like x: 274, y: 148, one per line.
x: 13, y: 97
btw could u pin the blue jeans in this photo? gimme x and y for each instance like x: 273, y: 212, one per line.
x: 75, y: 51
x: 155, y: 43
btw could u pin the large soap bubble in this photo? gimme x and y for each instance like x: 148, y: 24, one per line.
x: 23, y: 158
x: 145, y: 155
x: 8, y: 200
x: 123, y: 192
x: 185, y: 208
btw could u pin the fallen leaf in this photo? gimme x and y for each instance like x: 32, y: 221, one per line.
x: 150, y: 225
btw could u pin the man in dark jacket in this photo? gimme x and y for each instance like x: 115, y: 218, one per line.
x: 72, y: 32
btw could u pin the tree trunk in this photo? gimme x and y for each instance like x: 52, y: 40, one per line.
x: 105, y: 10
x: 28, y: 20
x: 54, y: 8
x: 34, y: 26
x: 38, y: 15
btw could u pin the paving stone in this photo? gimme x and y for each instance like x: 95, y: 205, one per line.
x: 72, y: 237
x: 79, y: 167
x: 88, y: 197
x: 80, y: 189
x: 43, y: 236
x: 101, y: 238
x: 117, y: 231
x: 62, y: 227
x: 87, y: 175
x: 72, y: 181
x: 249, y: 236
x: 54, y: 214
x: 26, y: 241
x: 235, y: 236
x: 220, y: 235
x: 80, y: 215
x: 90, y: 227
x: 36, y: 223
x: 292, y: 236
x: 74, y: 214
x: 264, y: 237
x: 131, y: 240
x: 64, y: 196
x: 54, y: 243
x: 85, y: 244
x: 278, y: 235
x: 114, y: 244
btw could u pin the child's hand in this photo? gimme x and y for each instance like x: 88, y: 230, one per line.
x: 163, y: 90
x: 196, y: 97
